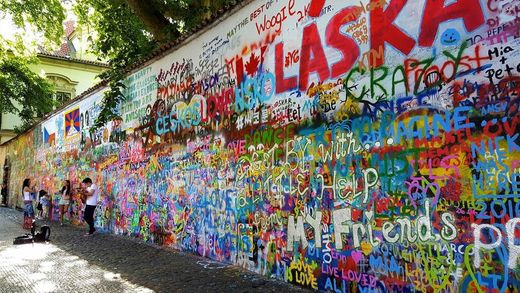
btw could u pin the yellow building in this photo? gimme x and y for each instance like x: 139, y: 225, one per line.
x: 70, y: 69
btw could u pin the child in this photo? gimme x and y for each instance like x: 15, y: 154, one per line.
x: 39, y: 207
x: 45, y: 202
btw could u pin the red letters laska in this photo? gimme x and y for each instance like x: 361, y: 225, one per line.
x: 313, y: 58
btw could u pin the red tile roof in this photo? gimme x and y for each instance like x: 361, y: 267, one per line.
x: 76, y: 60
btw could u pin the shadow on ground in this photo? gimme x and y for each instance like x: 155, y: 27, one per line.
x: 159, y: 269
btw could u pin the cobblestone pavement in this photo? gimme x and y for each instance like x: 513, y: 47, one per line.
x: 71, y: 262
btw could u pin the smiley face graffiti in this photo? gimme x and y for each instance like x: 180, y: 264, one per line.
x: 450, y: 37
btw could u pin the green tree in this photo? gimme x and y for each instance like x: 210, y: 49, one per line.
x: 19, y: 84
x: 129, y: 30
x: 45, y: 17
x: 23, y: 92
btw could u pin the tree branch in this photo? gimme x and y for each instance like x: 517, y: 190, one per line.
x: 153, y: 19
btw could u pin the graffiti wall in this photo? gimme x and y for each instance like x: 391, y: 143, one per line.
x: 343, y: 146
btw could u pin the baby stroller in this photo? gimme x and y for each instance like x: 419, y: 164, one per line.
x: 41, y: 236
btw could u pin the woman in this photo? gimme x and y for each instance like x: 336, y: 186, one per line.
x: 28, y: 188
x: 65, y: 199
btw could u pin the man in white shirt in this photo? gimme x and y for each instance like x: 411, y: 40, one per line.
x: 91, y: 191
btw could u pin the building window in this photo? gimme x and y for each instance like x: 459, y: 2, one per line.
x: 65, y: 88
x: 62, y: 97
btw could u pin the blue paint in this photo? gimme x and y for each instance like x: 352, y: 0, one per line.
x: 450, y: 37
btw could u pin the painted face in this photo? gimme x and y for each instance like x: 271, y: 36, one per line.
x: 450, y: 37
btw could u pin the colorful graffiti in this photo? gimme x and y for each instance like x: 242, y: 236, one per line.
x: 340, y: 146
x: 72, y: 122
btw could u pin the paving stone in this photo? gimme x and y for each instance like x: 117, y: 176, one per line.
x: 71, y: 262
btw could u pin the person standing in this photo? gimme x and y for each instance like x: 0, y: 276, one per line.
x: 4, y: 194
x: 65, y: 199
x: 46, y: 203
x: 91, y: 192
x: 28, y: 188
x: 39, y: 206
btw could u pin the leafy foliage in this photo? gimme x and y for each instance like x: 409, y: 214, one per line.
x: 121, y: 39
x: 18, y: 84
x: 23, y: 92
x: 124, y: 37
x: 45, y: 17
x: 126, y: 31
